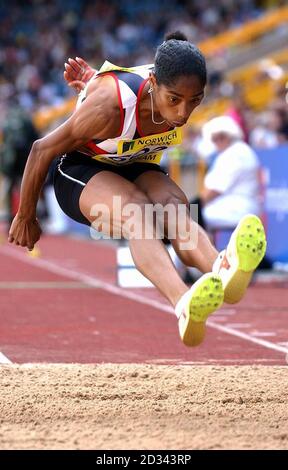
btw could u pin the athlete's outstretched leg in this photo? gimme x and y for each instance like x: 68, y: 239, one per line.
x: 150, y: 255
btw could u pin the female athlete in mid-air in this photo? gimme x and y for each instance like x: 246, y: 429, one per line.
x: 111, y: 146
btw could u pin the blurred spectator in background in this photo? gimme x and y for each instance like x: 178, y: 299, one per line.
x: 271, y: 128
x: 37, y: 39
x: 237, y: 111
x: 18, y: 134
x: 231, y: 186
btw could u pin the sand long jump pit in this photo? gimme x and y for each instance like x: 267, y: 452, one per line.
x: 143, y: 407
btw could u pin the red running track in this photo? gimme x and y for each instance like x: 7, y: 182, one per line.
x: 65, y: 307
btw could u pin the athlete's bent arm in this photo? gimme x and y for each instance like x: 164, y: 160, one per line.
x: 92, y: 120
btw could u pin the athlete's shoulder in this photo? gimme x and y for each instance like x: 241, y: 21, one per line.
x: 103, y: 90
x: 98, y: 110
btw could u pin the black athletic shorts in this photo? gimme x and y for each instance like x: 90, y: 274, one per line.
x: 74, y: 170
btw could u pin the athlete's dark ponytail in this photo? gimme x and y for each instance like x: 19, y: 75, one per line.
x: 177, y: 57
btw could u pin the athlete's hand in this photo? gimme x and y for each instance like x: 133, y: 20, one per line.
x: 77, y: 73
x: 24, y: 232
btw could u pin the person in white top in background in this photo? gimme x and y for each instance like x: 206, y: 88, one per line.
x: 231, y: 186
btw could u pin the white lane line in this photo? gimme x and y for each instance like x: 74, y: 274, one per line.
x: 4, y: 359
x: 239, y: 325
x: 252, y: 339
x: 227, y: 361
x: 92, y: 281
x: 226, y: 311
x: 264, y: 333
x: 43, y: 285
x: 95, y: 282
x: 219, y: 318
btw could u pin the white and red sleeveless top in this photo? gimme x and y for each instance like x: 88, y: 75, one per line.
x: 131, y: 145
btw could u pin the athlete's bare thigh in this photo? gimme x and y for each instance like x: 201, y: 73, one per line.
x: 106, y: 194
x: 159, y: 188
